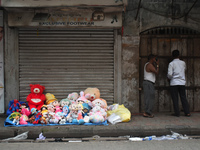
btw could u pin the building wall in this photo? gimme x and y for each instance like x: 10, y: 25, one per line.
x: 150, y: 14
x: 136, y: 18
x: 130, y: 72
x: 11, y: 66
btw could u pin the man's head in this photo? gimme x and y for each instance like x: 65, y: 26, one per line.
x: 151, y: 57
x: 175, y: 53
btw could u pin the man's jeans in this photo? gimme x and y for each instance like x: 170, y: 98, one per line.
x: 176, y: 91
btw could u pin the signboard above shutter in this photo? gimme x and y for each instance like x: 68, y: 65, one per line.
x: 63, y: 19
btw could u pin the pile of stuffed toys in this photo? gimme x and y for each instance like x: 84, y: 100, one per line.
x: 39, y: 108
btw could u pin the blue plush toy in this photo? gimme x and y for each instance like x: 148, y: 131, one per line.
x: 65, y: 110
x: 14, y: 106
x: 80, y: 122
x: 86, y: 109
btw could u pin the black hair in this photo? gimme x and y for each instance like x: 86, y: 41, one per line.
x: 151, y: 56
x: 175, y: 53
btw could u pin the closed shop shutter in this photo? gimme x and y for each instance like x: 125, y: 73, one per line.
x: 66, y: 61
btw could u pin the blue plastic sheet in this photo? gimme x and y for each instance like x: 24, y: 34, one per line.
x: 9, y: 123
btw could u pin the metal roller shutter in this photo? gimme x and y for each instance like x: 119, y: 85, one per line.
x: 66, y: 61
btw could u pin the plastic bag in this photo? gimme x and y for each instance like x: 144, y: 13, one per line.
x: 41, y: 137
x: 122, y: 112
x: 22, y: 136
x: 113, y: 118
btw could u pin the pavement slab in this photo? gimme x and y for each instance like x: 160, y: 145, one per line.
x: 139, y: 126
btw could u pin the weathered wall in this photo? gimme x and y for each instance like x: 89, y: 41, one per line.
x: 130, y: 72
x: 156, y: 13
x: 170, y: 14
x: 150, y: 14
x: 11, y: 64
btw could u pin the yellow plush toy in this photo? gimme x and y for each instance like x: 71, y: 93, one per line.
x: 92, y: 94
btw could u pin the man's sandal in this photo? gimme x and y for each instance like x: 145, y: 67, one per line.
x: 148, y: 115
x: 188, y: 115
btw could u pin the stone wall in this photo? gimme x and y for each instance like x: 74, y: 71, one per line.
x: 130, y: 72
x: 147, y: 15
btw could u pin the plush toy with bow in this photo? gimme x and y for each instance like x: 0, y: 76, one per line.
x: 98, y: 113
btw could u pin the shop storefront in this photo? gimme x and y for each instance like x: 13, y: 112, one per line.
x: 65, y: 49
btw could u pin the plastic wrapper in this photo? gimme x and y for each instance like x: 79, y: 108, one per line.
x: 118, y: 114
x: 22, y: 136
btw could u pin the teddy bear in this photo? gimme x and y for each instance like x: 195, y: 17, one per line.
x: 99, y: 102
x: 97, y: 115
x: 94, y: 93
x: 36, y: 98
x: 101, y: 105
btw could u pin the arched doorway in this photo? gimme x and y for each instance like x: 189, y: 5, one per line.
x: 162, y: 41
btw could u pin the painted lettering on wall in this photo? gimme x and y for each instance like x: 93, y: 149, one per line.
x: 67, y: 19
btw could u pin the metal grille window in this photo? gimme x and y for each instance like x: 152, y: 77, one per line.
x: 66, y: 61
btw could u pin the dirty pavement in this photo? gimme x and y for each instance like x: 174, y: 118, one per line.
x: 139, y: 126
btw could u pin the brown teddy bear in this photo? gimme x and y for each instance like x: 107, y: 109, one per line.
x: 92, y: 94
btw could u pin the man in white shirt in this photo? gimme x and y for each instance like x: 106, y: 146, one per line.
x: 176, y: 74
x: 151, y: 69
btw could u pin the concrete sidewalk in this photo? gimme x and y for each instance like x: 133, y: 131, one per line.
x: 140, y: 126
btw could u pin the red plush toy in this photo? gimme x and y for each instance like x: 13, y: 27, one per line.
x: 36, y: 98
